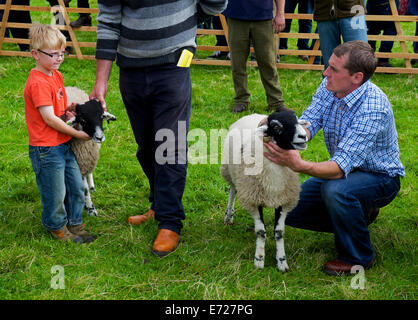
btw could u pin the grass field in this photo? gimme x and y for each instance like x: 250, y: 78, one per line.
x: 214, y: 261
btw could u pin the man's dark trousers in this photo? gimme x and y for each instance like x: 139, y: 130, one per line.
x: 158, y: 103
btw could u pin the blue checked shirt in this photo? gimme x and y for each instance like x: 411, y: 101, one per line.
x: 359, y: 129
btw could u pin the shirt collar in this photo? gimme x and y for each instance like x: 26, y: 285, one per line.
x: 353, y: 97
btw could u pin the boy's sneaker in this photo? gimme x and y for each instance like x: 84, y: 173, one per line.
x: 65, y: 235
x: 80, y: 231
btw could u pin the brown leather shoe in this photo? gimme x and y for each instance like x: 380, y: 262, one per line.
x: 166, y: 242
x: 339, y: 268
x: 140, y: 219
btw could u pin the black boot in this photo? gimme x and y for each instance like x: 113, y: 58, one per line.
x: 83, y: 20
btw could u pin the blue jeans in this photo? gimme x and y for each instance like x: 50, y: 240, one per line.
x: 60, y: 184
x: 330, y: 33
x: 341, y: 206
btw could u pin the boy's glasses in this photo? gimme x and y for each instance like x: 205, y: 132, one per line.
x: 54, y: 55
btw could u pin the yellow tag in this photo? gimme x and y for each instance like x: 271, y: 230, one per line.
x: 185, y: 59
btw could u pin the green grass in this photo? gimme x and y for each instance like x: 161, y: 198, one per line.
x: 214, y: 261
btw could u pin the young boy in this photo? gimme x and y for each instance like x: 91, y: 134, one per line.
x: 57, y: 173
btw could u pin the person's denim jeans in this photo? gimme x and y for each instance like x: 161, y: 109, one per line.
x: 330, y: 33
x: 341, y: 206
x: 60, y: 184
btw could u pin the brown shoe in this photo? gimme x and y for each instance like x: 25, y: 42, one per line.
x: 339, y: 268
x: 166, y: 242
x: 80, y: 231
x: 140, y: 219
x: 65, y: 235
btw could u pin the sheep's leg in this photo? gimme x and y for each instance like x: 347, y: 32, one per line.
x: 229, y: 214
x: 260, y: 231
x: 278, y: 234
x: 88, y: 204
x: 90, y: 182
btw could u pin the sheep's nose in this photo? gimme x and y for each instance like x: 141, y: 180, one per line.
x: 99, y: 136
x: 302, y: 136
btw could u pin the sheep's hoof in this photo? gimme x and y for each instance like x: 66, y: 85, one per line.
x: 93, y: 189
x: 283, y: 267
x: 92, y: 212
x: 259, y: 263
x: 229, y: 217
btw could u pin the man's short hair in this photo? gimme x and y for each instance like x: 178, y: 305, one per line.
x: 361, y: 57
x: 44, y: 36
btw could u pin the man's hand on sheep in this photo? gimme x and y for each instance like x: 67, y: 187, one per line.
x: 287, y: 158
x: 103, y: 68
x: 291, y: 158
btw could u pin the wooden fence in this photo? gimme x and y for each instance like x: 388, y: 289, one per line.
x: 397, y: 19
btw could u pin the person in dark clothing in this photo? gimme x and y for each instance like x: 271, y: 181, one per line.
x: 153, y: 56
x: 381, y: 7
x: 305, y: 26
x: 84, y: 19
x: 21, y: 17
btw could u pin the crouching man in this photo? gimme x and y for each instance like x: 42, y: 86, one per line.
x: 344, y: 194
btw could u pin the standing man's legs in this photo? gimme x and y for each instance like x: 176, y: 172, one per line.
x: 330, y: 33
x: 239, y: 46
x: 305, y: 25
x: 158, y: 110
x: 329, y: 38
x: 265, y: 49
x: 289, y: 7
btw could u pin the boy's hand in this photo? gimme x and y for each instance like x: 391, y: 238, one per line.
x: 71, y: 108
x: 82, y: 135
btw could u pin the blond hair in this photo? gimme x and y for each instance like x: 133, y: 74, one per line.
x: 44, y: 36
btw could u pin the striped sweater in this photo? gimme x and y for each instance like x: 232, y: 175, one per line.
x: 149, y: 32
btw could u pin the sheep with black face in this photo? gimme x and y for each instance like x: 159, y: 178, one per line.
x: 89, y: 118
x: 256, y: 181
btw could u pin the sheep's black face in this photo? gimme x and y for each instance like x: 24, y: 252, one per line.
x: 90, y: 116
x: 286, y: 130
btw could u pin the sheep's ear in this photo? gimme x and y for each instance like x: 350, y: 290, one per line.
x: 108, y: 116
x: 304, y: 123
x: 263, y: 122
x: 72, y: 121
x: 260, y: 131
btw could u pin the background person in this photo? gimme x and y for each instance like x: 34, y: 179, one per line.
x: 305, y: 25
x: 336, y: 19
x: 252, y: 21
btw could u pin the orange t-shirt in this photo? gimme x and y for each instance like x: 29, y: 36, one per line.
x: 43, y: 90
